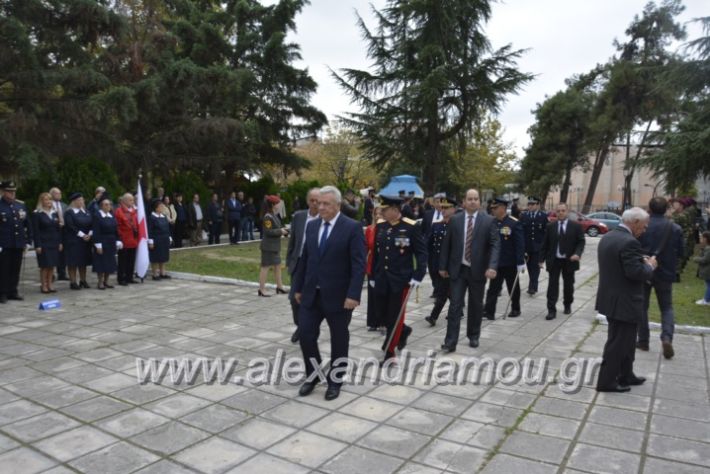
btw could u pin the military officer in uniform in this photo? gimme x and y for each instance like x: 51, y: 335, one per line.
x: 436, y: 237
x: 399, y: 265
x: 534, y: 222
x: 406, y: 205
x: 15, y: 234
x: 510, y: 262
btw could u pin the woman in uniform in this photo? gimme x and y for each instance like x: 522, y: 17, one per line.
x: 78, y: 225
x: 48, y: 240
x: 270, y: 246
x: 370, y: 241
x: 159, y: 239
x: 106, y: 243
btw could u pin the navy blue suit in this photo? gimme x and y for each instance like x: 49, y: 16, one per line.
x: 534, y: 224
x: 325, y: 279
x: 512, y: 256
x: 234, y: 217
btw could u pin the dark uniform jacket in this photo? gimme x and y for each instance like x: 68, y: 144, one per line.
x: 437, y: 233
x: 397, y: 248
x: 534, y: 225
x: 15, y: 227
x: 47, y: 232
x: 271, y: 227
x: 622, y: 275
x: 512, y: 242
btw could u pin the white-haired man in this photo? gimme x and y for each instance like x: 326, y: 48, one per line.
x: 623, y: 271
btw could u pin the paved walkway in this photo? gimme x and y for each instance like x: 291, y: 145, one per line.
x: 70, y: 401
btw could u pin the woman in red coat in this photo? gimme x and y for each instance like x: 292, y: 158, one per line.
x: 127, y: 220
x: 370, y: 239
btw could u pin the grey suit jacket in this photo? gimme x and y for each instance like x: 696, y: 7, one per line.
x: 295, y: 239
x: 622, y: 274
x: 485, y: 246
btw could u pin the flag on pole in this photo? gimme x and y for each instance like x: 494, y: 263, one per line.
x: 142, y: 260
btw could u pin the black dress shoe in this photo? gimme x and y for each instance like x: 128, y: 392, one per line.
x: 15, y: 297
x: 281, y: 291
x: 131, y: 281
x: 84, y: 284
x: 532, y: 293
x: 406, y: 331
x: 110, y: 287
x: 332, y: 392
x: 122, y: 283
x: 632, y: 381
x: 568, y: 310
x: 431, y: 320
x: 473, y: 342
x: 74, y: 286
x: 295, y: 336
x: 263, y: 294
x: 514, y: 314
x: 165, y: 277
x: 156, y: 278
x: 551, y: 315
x: 489, y: 316
x: 668, y: 351
x: 371, y: 329
x: 307, y: 388
x: 614, y: 389
x: 448, y: 349
x: 642, y: 346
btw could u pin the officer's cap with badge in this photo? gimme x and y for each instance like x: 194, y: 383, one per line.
x: 74, y: 196
x: 500, y: 202
x: 8, y: 185
x: 447, y: 203
x: 533, y: 200
x: 388, y: 201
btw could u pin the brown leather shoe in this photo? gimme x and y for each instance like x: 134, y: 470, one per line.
x: 642, y: 346
x: 668, y: 352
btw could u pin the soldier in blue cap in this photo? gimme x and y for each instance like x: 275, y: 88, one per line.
x: 15, y: 235
x: 534, y: 222
x: 399, y: 265
x: 510, y: 262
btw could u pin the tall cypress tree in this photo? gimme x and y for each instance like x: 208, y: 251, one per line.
x: 434, y: 77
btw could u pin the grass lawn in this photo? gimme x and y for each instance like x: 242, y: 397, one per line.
x: 685, y: 294
x: 231, y: 261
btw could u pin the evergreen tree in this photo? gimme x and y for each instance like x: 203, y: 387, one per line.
x: 435, y: 76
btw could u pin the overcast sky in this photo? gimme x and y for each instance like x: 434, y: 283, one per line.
x: 564, y: 37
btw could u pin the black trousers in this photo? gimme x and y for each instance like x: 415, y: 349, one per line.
x: 533, y: 265
x: 62, y: 266
x: 508, y: 275
x: 179, y: 233
x: 619, y: 354
x: 565, y: 268
x: 214, y: 230
x: 388, y: 305
x: 234, y: 230
x: 309, y: 322
x: 10, y: 268
x: 372, y: 313
x: 459, y: 286
x: 126, y: 264
x: 442, y: 291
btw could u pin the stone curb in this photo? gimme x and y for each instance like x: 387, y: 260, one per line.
x: 219, y: 280
x: 684, y: 329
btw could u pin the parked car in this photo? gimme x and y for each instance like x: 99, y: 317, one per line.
x: 611, y: 220
x: 591, y: 227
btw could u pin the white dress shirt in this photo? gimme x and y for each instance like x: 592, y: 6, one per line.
x: 330, y: 230
x: 564, y: 229
x: 309, y: 218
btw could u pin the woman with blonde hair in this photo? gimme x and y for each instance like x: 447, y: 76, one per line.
x: 48, y: 240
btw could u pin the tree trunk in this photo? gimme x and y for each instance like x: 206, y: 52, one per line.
x: 431, y: 160
x: 564, y: 192
x: 602, y: 153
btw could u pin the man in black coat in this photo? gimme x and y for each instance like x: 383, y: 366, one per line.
x: 561, y: 251
x: 469, y: 256
x: 623, y: 271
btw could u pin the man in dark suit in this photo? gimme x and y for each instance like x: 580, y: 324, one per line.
x: 561, y: 251
x: 296, y: 239
x: 534, y: 222
x: 234, y: 217
x: 664, y: 240
x: 327, y: 285
x: 623, y: 271
x: 469, y: 256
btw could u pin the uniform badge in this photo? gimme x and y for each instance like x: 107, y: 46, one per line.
x: 22, y: 214
x: 505, y: 231
x: 267, y: 224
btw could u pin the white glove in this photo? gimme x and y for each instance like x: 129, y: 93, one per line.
x: 414, y: 283
x: 0, y: 249
x: 119, y: 245
x: 521, y: 268
x: 171, y: 239
x: 372, y: 283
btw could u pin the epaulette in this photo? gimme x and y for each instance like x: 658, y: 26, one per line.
x: 516, y: 220
x: 409, y: 221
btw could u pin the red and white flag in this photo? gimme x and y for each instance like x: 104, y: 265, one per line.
x: 142, y: 259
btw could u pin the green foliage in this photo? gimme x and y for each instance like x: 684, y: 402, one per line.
x: 434, y: 77
x: 188, y: 183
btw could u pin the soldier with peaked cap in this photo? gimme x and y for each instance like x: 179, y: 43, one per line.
x: 399, y: 265
x: 534, y: 222
x: 15, y: 235
x: 510, y: 262
x: 434, y: 241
